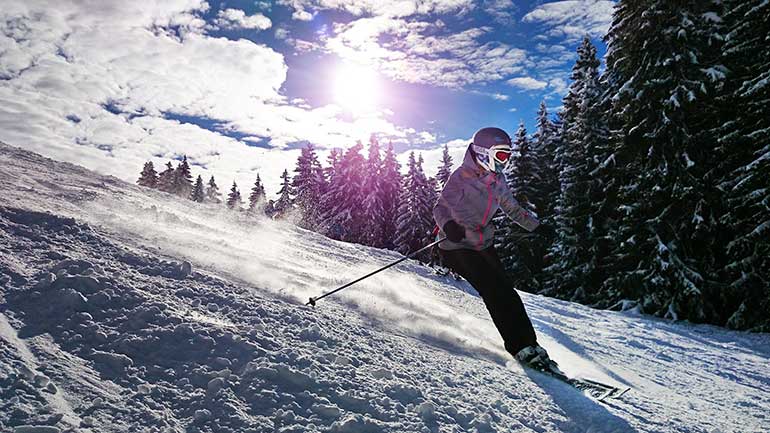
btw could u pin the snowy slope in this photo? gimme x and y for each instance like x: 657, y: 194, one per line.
x: 105, y: 328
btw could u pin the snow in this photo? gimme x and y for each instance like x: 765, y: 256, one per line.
x: 689, y: 162
x: 103, y: 328
x: 712, y: 17
x: 715, y: 73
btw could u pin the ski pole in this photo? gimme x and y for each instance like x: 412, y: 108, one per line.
x: 313, y: 300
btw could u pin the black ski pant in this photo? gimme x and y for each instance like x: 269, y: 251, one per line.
x: 484, y: 271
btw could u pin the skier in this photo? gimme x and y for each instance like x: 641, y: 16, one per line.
x: 463, y: 212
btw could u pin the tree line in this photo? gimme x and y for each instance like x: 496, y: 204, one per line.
x: 353, y: 198
x: 656, y: 172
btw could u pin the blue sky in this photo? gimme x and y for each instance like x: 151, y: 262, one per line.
x: 238, y: 86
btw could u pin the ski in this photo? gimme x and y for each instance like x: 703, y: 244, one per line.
x: 596, y: 390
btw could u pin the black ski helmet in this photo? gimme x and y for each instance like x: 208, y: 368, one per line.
x: 491, y: 136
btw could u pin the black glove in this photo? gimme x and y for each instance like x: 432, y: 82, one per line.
x: 546, y: 230
x: 454, y: 232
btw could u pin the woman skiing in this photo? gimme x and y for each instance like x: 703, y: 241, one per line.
x: 463, y: 212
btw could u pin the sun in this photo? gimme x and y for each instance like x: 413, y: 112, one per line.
x: 356, y: 88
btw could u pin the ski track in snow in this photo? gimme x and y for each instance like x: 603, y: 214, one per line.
x: 102, y: 329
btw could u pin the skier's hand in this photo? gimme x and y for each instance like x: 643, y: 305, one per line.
x: 454, y: 232
x: 546, y: 230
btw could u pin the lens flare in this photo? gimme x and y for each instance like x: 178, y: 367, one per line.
x: 357, y: 88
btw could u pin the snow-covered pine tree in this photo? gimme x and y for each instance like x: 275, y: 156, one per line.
x: 658, y: 66
x: 544, y: 147
x: 331, y: 171
x: 342, y: 217
x: 183, y: 180
x: 285, y: 203
x: 415, y: 221
x: 390, y: 192
x: 234, y: 201
x: 600, y: 185
x: 212, y: 192
x: 521, y: 252
x: 373, y: 198
x: 257, y: 198
x: 445, y: 169
x: 166, y: 179
x: 744, y: 152
x: 572, y: 220
x: 426, y: 200
x: 309, y: 185
x: 148, y: 177
x: 198, y: 194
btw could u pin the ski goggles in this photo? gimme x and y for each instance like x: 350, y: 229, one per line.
x: 500, y: 153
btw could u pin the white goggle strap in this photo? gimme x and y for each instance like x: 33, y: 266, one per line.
x: 484, y: 158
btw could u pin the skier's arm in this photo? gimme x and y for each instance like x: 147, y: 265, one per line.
x: 518, y: 214
x: 447, y: 206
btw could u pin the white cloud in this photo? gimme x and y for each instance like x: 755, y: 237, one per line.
x: 237, y: 19
x: 427, y: 137
x: 527, y: 83
x: 68, y: 93
x: 281, y: 33
x: 426, y: 53
x: 559, y: 86
x: 304, y: 9
x: 501, y: 10
x: 573, y: 19
x: 302, y: 15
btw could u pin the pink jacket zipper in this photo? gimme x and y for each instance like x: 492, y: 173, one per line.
x: 486, y: 212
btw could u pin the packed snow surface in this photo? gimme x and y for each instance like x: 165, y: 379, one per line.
x: 124, y: 309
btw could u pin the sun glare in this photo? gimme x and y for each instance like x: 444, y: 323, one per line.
x: 356, y: 88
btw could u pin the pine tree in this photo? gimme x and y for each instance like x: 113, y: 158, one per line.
x: 415, y: 220
x: 212, y: 192
x: 659, y: 58
x: 545, y: 142
x: 445, y: 169
x: 521, y: 252
x: 284, y: 204
x: 390, y: 193
x: 148, y: 178
x: 309, y: 185
x: 426, y: 199
x: 183, y: 183
x: 373, y: 197
x: 573, y: 217
x: 234, y: 201
x: 744, y: 155
x: 257, y: 197
x: 343, y: 214
x: 331, y: 172
x: 166, y: 179
x: 198, y: 194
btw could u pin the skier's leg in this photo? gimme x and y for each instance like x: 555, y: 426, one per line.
x: 485, y: 273
x: 518, y: 332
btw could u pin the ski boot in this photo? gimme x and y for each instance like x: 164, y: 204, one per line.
x: 537, y: 358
